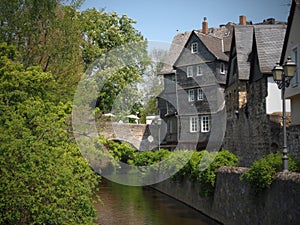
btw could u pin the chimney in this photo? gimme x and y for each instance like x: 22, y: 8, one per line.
x: 205, y: 26
x: 243, y: 20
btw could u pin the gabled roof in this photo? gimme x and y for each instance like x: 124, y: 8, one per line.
x: 175, y: 50
x: 213, y: 44
x: 243, y: 36
x: 269, y: 42
x: 217, y: 41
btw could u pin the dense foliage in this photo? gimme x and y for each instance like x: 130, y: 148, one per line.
x: 261, y: 174
x: 44, y: 179
x: 201, y: 166
x: 45, y: 46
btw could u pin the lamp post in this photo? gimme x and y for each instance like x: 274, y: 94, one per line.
x: 282, y: 75
x: 157, y: 122
x: 159, y: 125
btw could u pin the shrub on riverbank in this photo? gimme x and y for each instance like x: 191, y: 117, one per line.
x: 262, y: 172
x: 200, y: 166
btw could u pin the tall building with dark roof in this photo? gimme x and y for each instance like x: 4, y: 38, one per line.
x: 252, y: 97
x: 194, y: 79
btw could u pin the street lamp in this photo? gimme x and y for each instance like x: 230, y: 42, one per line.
x: 159, y: 126
x: 282, y: 75
x: 157, y: 121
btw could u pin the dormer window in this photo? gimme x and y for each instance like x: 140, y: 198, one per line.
x: 194, y: 47
x: 222, y: 68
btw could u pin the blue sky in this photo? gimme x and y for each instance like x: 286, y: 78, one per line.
x: 159, y: 20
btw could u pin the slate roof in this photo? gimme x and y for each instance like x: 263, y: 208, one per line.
x: 243, y: 35
x: 213, y: 42
x: 174, y: 51
x: 269, y: 42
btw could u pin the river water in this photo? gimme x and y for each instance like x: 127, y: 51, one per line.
x: 124, y: 205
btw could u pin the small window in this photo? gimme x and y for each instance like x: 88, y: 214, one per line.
x: 194, y: 124
x: 194, y: 47
x: 222, y: 68
x: 200, y: 95
x: 199, y: 71
x: 205, y: 124
x: 191, y: 96
x: 295, y: 79
x: 189, y: 71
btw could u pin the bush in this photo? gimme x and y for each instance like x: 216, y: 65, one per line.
x: 147, y: 158
x: 120, y: 151
x: 261, y: 174
x: 202, y: 168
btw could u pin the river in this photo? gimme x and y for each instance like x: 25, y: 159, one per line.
x: 124, y: 205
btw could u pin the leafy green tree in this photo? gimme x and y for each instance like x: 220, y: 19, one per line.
x: 44, y: 179
x: 118, y: 52
x: 104, y: 32
x: 152, y: 84
x: 46, y: 33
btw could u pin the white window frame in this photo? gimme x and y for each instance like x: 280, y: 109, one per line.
x: 194, y: 124
x: 222, y: 68
x: 199, y: 70
x: 200, y: 94
x: 189, y: 71
x: 205, y: 124
x: 194, y: 47
x: 191, y: 95
x: 295, y: 79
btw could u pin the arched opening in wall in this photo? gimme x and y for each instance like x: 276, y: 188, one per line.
x: 274, y: 147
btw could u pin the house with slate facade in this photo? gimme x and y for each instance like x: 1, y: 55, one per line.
x: 194, y: 78
x: 291, y: 48
x: 252, y: 98
x: 224, y: 73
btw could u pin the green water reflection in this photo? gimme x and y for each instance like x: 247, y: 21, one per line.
x: 125, y: 205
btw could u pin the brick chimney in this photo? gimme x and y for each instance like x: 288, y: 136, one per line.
x: 205, y: 26
x: 243, y: 20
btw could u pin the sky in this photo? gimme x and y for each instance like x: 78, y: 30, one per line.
x: 160, y: 20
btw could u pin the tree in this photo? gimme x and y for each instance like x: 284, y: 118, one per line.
x: 116, y: 49
x: 152, y: 84
x: 46, y: 33
x: 44, y: 179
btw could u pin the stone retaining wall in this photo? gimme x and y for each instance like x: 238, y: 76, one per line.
x: 234, y: 203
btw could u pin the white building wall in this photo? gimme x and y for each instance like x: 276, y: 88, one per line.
x: 273, y: 100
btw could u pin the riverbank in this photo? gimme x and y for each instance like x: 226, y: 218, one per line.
x: 234, y: 203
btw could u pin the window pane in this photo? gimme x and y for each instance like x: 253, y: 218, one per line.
x: 200, y: 95
x: 205, y: 124
x: 199, y: 71
x: 194, y: 47
x: 222, y: 68
x: 189, y: 71
x: 295, y: 80
x: 194, y: 124
x: 191, y: 95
